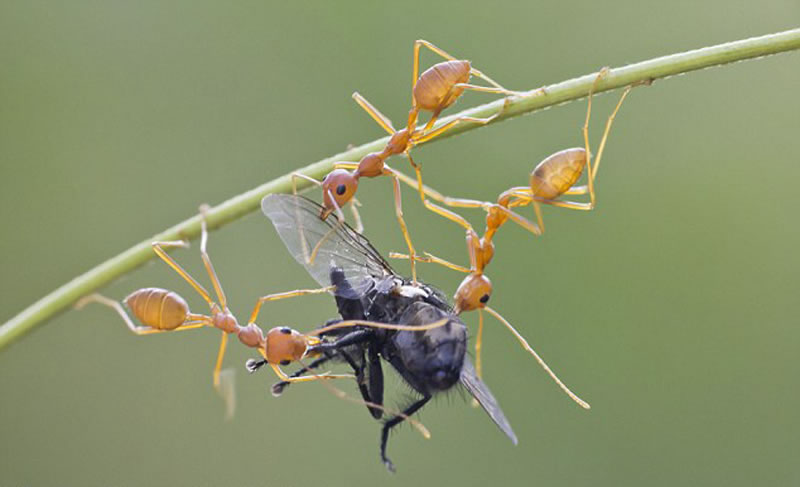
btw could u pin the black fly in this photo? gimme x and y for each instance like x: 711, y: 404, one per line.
x: 367, y: 288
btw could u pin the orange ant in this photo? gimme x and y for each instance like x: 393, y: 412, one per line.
x: 554, y: 176
x: 161, y: 310
x: 434, y: 90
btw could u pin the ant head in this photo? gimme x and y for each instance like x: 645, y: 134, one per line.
x: 473, y: 293
x: 285, y: 345
x: 340, y: 185
x: 371, y: 166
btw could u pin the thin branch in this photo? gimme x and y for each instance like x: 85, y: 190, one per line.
x: 228, y: 211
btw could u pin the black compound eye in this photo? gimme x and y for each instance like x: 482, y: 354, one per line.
x: 285, y: 362
x: 340, y: 190
x: 484, y: 299
x: 286, y: 330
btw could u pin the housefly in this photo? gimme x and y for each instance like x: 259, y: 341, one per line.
x: 366, y: 288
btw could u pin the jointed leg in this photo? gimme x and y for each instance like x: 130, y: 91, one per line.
x: 278, y: 387
x: 530, y: 350
x: 359, y: 226
x: 450, y: 215
x: 283, y: 295
x: 429, y: 192
x: 373, y: 112
x: 387, y: 426
x: 398, y: 209
x: 297, y: 175
x: 479, y: 345
x: 158, y: 248
x: 225, y: 388
x: 427, y: 134
x: 220, y: 356
x: 609, y: 122
x: 431, y: 259
x: 223, y: 301
x: 307, y: 378
x: 524, y: 222
x: 340, y: 221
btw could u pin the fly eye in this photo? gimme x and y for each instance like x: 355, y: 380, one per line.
x: 285, y: 362
x: 341, y: 189
x: 286, y: 330
x: 484, y: 299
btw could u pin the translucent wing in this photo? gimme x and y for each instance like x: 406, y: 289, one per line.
x: 324, y: 245
x: 479, y: 390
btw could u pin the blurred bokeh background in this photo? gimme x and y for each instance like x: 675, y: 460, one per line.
x: 672, y: 308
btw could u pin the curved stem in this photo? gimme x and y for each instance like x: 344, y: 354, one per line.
x: 238, y: 206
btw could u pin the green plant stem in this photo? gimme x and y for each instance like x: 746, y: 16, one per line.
x: 230, y: 210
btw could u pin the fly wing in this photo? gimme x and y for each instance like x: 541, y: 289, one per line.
x: 479, y: 390
x: 322, y: 246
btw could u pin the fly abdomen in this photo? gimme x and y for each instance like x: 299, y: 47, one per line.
x: 158, y: 308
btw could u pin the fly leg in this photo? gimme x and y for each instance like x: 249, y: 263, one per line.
x: 388, y: 425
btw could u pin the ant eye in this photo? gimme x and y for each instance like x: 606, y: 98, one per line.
x: 286, y: 330
x: 484, y: 299
x: 285, y: 362
x: 341, y: 189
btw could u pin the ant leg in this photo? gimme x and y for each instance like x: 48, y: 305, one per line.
x: 418, y: 171
x: 530, y: 350
x: 297, y: 175
x: 427, y: 134
x: 398, y: 209
x: 220, y: 356
x: 223, y: 301
x: 346, y: 165
x: 479, y: 345
x: 374, y: 324
x: 192, y: 322
x: 429, y: 192
x: 591, y: 172
x: 283, y: 295
x: 609, y: 122
x: 359, y: 225
x: 307, y: 378
x: 339, y: 223
x: 223, y: 380
x: 278, y: 387
x: 431, y: 259
x: 158, y: 248
x: 524, y: 222
x: 450, y: 215
x: 373, y: 112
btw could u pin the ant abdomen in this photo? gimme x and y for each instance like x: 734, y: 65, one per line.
x: 557, y: 173
x: 434, y: 89
x: 158, y: 308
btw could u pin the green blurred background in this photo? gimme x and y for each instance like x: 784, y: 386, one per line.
x: 672, y: 308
